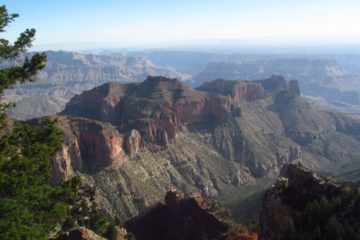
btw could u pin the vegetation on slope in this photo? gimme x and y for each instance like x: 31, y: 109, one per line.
x: 326, y: 218
x: 302, y: 205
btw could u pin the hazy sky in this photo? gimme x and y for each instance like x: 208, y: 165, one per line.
x: 146, y: 22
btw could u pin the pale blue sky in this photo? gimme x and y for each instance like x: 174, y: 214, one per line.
x: 146, y: 22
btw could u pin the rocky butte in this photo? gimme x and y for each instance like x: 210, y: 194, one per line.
x: 224, y: 140
x: 156, y: 108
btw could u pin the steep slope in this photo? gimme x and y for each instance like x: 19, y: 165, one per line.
x: 317, y: 77
x: 225, y: 140
x: 70, y: 73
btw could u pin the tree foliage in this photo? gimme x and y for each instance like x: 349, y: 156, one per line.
x: 28, y: 70
x: 30, y: 207
x: 327, y: 217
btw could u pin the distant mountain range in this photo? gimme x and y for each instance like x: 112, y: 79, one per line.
x: 332, y: 77
x: 317, y: 78
x: 70, y: 73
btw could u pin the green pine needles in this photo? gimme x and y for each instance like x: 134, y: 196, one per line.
x: 31, y: 207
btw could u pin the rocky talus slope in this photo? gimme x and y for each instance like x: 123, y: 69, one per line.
x: 224, y: 140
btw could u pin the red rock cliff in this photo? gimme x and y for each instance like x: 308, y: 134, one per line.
x: 89, y: 147
x: 158, y: 106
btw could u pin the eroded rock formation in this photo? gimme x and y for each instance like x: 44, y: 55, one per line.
x: 158, y: 106
x: 133, y: 143
x: 89, y: 146
x: 136, y: 141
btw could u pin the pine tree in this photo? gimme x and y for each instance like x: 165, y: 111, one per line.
x: 30, y: 207
x: 30, y: 67
x: 19, y: 73
x: 334, y: 230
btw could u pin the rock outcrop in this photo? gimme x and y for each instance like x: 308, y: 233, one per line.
x: 295, y: 189
x: 133, y: 143
x: 89, y: 146
x: 185, y: 218
x: 239, y: 91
